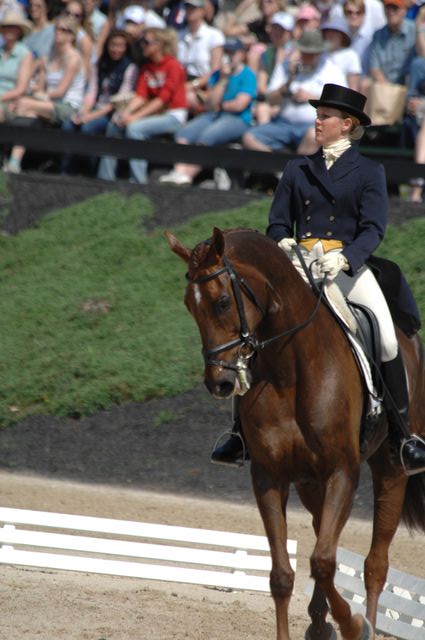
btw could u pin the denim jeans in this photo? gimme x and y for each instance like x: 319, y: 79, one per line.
x: 417, y: 77
x: 416, y: 88
x: 212, y: 128
x: 70, y: 164
x: 138, y: 130
x: 281, y: 133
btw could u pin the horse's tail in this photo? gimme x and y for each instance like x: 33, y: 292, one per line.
x: 413, y: 513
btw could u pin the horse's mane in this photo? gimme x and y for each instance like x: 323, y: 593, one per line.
x: 198, y: 255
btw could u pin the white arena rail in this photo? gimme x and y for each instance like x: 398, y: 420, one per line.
x: 236, y: 567
x: 401, y: 607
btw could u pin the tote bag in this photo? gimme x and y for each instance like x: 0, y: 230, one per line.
x: 386, y: 103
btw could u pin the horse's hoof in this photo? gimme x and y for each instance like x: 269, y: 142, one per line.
x: 328, y: 633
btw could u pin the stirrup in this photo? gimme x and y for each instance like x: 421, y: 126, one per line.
x: 224, y: 436
x: 413, y: 437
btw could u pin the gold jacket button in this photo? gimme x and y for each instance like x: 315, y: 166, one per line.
x: 307, y: 202
x: 332, y: 218
x: 308, y: 218
x: 329, y: 233
x: 308, y: 233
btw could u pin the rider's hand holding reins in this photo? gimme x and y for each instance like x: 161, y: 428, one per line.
x: 332, y: 263
x: 287, y: 243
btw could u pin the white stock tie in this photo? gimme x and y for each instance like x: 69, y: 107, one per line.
x: 332, y: 152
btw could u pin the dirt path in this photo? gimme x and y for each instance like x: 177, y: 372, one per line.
x: 56, y: 605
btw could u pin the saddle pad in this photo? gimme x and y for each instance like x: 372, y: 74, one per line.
x: 348, y: 323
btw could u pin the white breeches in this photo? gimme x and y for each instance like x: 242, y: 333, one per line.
x: 361, y: 289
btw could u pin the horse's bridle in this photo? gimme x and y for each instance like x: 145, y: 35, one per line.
x: 248, y: 343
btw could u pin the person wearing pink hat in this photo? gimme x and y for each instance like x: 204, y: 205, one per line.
x: 307, y: 18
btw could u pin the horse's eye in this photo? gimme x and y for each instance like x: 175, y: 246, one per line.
x: 223, y: 304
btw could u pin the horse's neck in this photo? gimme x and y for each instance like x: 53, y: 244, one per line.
x: 289, y: 300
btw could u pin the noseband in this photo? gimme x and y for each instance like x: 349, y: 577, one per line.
x: 248, y: 343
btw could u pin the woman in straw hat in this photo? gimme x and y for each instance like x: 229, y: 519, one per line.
x: 61, y: 93
x: 15, y: 58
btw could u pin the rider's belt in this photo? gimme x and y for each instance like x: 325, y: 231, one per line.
x: 328, y: 245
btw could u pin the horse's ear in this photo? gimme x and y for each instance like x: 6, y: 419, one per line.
x: 218, y: 241
x: 177, y: 247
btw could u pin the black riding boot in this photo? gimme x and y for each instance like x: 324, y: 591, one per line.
x: 408, y: 449
x: 233, y: 451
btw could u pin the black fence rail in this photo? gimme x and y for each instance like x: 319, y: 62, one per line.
x: 399, y: 168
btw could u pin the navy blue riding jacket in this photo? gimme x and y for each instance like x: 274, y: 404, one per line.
x: 348, y: 203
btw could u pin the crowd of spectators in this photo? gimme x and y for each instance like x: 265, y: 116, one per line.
x: 202, y: 72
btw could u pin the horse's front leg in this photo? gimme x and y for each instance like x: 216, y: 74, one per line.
x: 271, y: 500
x: 339, y: 495
x: 312, y: 497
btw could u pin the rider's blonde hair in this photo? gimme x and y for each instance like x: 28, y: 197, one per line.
x: 357, y: 130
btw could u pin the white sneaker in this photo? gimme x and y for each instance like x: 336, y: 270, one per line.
x: 222, y: 179
x: 175, y: 178
x: 11, y: 167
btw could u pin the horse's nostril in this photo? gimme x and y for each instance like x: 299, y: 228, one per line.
x: 225, y: 389
x: 220, y: 388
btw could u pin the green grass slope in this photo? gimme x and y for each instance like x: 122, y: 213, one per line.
x: 91, y: 306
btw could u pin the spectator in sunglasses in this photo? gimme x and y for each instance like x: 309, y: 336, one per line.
x: 362, y: 22
x: 85, y: 41
x: 159, y: 106
x: 111, y: 86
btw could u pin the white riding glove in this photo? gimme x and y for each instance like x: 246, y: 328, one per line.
x: 332, y: 263
x: 287, y: 243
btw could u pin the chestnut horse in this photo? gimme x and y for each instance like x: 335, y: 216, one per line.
x: 301, y: 416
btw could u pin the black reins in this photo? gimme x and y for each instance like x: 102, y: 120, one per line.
x: 247, y: 341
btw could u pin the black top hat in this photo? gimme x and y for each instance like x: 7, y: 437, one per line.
x: 348, y: 100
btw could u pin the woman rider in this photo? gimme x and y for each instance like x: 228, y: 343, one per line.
x: 335, y: 203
